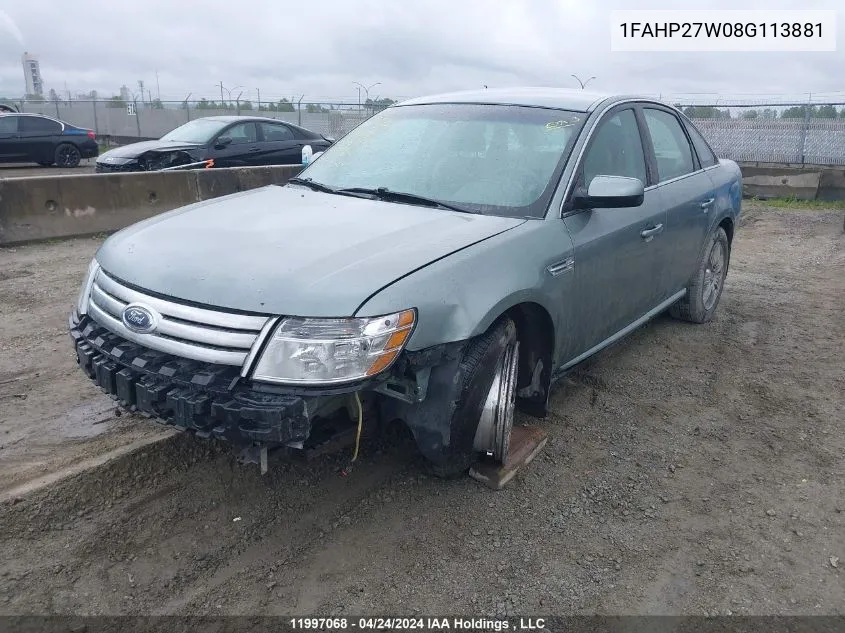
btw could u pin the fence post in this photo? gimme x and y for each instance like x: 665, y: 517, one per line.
x: 96, y: 125
x: 137, y: 118
x: 804, y: 127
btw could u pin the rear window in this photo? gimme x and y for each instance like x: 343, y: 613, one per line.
x: 35, y: 124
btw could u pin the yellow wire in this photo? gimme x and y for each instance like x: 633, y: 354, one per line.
x: 360, y: 424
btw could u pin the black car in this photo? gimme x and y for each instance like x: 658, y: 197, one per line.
x: 230, y: 141
x: 36, y: 138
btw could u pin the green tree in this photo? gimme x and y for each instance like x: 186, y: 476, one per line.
x: 826, y: 112
x: 750, y: 114
x: 798, y: 112
x: 157, y: 104
x: 115, y: 102
x: 284, y: 106
x: 706, y: 112
x: 246, y: 105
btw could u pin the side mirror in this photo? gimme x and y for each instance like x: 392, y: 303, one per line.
x: 610, y: 192
x: 222, y: 142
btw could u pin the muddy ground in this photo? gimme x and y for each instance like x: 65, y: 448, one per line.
x: 691, y: 469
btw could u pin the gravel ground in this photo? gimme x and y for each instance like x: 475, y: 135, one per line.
x: 690, y: 470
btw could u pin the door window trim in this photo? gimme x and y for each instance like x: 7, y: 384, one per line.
x: 696, y: 164
x: 588, y: 144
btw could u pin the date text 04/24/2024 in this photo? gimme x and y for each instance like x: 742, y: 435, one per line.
x: 417, y: 623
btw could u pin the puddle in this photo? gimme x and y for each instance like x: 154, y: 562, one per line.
x: 87, y: 420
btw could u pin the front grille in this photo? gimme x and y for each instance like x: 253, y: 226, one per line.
x: 210, y: 336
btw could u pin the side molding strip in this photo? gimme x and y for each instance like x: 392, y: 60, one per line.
x: 626, y: 330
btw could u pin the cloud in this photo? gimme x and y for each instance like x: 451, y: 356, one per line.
x: 319, y: 49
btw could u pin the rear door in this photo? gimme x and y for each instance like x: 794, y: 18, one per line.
x: 280, y: 144
x: 686, y: 191
x: 619, y: 253
x: 10, y: 147
x: 39, y: 137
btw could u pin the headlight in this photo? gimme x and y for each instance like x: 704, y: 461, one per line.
x: 85, y: 292
x: 325, y: 351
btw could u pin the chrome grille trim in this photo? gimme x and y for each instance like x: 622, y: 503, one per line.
x: 197, y: 333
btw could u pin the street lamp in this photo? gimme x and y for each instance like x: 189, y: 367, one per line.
x: 228, y: 92
x: 366, y: 90
x: 583, y: 83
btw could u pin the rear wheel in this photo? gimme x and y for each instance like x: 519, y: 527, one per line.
x: 705, y: 288
x: 482, y: 418
x: 67, y: 155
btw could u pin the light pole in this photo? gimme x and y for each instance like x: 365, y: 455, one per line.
x: 228, y: 92
x: 583, y: 83
x: 366, y: 90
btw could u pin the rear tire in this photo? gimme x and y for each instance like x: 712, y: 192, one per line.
x: 705, y: 288
x: 68, y: 155
x: 484, y: 369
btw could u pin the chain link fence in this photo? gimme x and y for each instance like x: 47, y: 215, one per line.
x: 774, y: 133
x: 113, y: 119
x: 794, y: 133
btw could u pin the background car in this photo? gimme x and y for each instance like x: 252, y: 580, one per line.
x: 36, y: 138
x: 231, y: 141
x: 7, y: 107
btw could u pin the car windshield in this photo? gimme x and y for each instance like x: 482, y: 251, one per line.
x: 490, y: 159
x: 198, y: 131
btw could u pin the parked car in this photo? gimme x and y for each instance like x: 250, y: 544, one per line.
x: 442, y: 265
x: 7, y: 107
x: 231, y: 141
x: 36, y: 138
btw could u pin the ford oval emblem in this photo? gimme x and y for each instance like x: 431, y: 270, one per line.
x: 139, y: 318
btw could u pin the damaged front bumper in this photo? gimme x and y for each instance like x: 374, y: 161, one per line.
x: 215, y: 401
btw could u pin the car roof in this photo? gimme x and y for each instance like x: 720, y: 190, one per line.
x: 559, y: 98
x: 228, y: 118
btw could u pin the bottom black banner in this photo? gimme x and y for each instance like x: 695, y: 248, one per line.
x: 463, y: 624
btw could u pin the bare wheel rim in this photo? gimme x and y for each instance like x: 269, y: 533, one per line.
x: 494, y: 428
x: 714, y: 275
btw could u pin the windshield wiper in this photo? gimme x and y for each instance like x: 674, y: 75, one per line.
x: 383, y: 193
x: 316, y: 186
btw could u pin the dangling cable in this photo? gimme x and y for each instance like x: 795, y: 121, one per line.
x: 348, y: 469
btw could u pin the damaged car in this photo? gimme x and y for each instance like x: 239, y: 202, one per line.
x: 440, y: 266
x: 221, y: 141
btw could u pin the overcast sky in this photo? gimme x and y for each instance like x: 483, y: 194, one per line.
x: 412, y: 47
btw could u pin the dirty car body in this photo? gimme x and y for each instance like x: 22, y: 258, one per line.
x: 441, y: 265
x: 230, y: 141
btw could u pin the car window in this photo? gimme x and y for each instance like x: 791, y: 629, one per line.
x: 491, y: 159
x: 671, y: 148
x: 616, y: 149
x: 8, y: 124
x: 276, y: 132
x: 242, y: 133
x: 38, y: 125
x: 705, y: 155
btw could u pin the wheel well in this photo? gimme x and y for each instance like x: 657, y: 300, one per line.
x: 536, y: 335
x: 728, y: 225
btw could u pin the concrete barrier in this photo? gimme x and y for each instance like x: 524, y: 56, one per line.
x: 49, y: 207
x: 780, y: 182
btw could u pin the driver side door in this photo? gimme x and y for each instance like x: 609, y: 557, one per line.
x: 619, y: 253
x: 243, y: 142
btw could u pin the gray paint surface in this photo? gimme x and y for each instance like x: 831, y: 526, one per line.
x: 288, y: 250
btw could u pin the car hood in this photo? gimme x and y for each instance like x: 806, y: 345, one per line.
x: 288, y: 250
x: 136, y: 149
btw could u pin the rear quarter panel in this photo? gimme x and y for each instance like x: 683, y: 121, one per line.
x: 727, y: 182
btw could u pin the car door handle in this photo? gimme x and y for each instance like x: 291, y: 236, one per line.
x: 707, y: 203
x: 254, y: 149
x: 647, y: 234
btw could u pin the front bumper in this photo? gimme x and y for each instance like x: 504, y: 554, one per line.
x: 112, y: 168
x: 208, y: 399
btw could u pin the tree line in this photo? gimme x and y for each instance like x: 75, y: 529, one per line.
x: 793, y: 112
